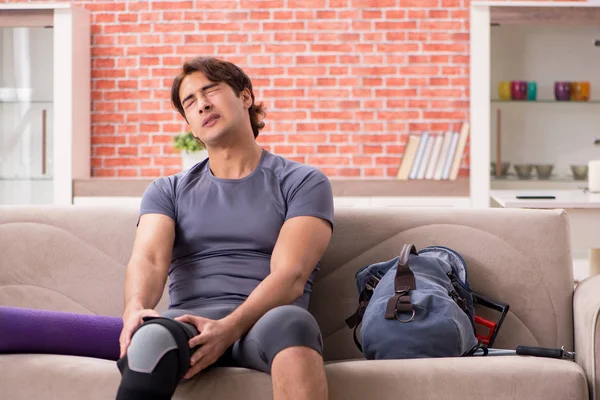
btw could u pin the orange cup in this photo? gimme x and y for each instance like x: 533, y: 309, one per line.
x: 580, y: 91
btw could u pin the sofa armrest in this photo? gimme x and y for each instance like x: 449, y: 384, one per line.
x: 586, y: 308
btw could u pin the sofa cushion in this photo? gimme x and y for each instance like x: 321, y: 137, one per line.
x: 503, y: 377
x: 46, y: 376
x: 490, y: 378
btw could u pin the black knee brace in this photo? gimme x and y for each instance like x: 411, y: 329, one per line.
x: 161, y: 382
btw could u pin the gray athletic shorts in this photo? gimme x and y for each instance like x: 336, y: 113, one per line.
x: 278, y: 329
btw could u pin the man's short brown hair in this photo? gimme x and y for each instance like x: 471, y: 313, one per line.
x: 217, y: 71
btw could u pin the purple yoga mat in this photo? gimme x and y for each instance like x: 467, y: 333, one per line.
x: 26, y: 330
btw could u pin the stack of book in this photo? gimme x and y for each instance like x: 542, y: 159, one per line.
x: 433, y: 156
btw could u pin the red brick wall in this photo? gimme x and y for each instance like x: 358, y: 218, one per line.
x: 344, y: 81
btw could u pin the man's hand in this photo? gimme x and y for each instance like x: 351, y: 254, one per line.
x: 215, y: 337
x: 131, y: 320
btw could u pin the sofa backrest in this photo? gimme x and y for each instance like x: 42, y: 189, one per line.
x: 73, y: 258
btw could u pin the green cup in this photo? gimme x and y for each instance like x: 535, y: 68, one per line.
x: 531, y: 90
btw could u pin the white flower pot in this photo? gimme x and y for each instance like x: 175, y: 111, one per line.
x: 193, y: 158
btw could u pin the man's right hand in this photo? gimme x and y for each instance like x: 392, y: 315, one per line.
x: 131, y: 320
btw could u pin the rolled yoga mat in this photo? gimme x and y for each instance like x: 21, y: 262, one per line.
x: 27, y: 330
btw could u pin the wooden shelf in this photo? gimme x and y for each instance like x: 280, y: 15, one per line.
x: 578, y: 15
x: 100, y: 187
x: 401, y: 188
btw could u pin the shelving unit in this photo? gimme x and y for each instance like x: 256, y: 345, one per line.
x: 544, y: 131
x: 44, y: 102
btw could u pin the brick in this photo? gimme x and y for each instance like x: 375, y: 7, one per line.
x: 418, y: 3
x: 337, y: 115
x: 338, y: 3
x: 127, y: 172
x: 375, y: 127
x: 103, y: 18
x: 261, y: 4
x: 417, y: 14
x: 394, y: 149
x: 374, y: 3
x: 283, y: 15
x: 431, y: 25
x: 107, y: 51
x: 171, y: 5
x: 305, y: 14
x: 216, y: 4
x: 105, y: 150
x: 390, y: 160
x: 283, y: 48
x: 395, y: 25
x: 150, y: 172
x: 139, y: 139
x: 349, y: 172
x: 327, y: 160
x: 387, y: 70
x: 445, y: 47
x: 395, y: 14
x: 112, y: 6
x: 378, y: 172
x: 104, y: 172
x: 438, y: 14
x: 393, y: 115
x: 152, y: 50
x: 372, y: 149
x: 128, y: 17
x: 313, y: 138
x: 362, y: 25
x: 419, y: 70
x: 306, y: 3
x: 128, y: 150
x: 126, y: 161
x: 108, y: 140
x: 174, y: 27
x: 327, y: 149
x: 103, y: 129
x: 281, y: 26
x: 219, y: 26
x: 451, y: 3
x: 172, y: 16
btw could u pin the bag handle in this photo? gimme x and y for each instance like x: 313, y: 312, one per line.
x: 404, y: 282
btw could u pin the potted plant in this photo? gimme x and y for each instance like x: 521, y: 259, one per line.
x: 192, y: 150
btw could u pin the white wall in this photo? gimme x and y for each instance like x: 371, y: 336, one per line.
x: 555, y: 133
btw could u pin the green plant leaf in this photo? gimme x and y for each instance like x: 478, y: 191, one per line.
x: 187, y: 142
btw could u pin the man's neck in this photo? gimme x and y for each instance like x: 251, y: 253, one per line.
x: 234, y: 162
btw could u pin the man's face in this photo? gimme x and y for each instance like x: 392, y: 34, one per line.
x: 212, y: 109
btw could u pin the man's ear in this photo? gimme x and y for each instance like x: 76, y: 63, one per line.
x: 246, y: 97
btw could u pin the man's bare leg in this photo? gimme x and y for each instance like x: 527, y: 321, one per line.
x: 298, y: 373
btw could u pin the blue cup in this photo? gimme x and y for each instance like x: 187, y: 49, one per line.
x: 531, y: 90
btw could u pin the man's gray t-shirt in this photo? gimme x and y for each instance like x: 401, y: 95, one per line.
x: 226, y: 229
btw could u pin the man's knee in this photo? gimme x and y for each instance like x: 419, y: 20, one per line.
x: 291, y: 326
x: 156, y: 359
x: 148, y: 345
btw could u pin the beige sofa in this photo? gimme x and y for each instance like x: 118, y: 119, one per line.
x: 73, y: 259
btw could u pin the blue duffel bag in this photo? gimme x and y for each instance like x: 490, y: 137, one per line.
x: 416, y: 305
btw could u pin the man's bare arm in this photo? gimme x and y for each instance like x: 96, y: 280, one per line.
x: 150, y: 260
x: 301, y: 243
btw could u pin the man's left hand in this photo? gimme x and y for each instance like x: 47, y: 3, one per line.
x: 215, y: 337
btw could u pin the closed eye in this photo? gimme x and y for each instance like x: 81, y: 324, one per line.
x: 189, y: 102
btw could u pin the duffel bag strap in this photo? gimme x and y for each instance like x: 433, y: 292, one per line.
x: 404, y: 282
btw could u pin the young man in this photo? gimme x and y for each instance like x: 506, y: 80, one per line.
x: 240, y: 235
